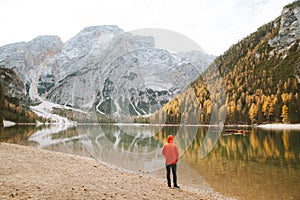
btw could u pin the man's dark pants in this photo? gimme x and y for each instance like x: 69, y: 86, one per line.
x: 168, y: 168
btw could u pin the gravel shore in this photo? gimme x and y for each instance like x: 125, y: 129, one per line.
x: 31, y: 173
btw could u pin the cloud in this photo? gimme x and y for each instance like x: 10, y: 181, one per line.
x: 214, y: 24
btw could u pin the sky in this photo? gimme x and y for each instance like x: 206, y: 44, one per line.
x: 213, y: 24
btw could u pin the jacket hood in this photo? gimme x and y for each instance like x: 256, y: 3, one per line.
x: 170, y: 137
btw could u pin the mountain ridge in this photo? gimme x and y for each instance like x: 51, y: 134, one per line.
x: 102, y: 59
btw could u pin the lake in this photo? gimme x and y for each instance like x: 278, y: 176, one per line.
x: 246, y: 163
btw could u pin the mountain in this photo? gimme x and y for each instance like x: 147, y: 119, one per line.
x: 27, y: 59
x: 257, y: 80
x: 102, y: 70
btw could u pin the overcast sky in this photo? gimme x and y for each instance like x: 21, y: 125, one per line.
x: 213, y: 24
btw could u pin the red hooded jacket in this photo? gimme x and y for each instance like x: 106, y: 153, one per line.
x: 170, y: 152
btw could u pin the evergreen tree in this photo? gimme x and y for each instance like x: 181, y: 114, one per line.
x: 295, y: 115
x: 284, y: 114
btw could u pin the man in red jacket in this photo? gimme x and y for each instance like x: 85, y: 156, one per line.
x: 171, y: 154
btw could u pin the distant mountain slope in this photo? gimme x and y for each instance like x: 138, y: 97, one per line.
x: 13, y: 101
x: 104, y: 70
x: 261, y: 76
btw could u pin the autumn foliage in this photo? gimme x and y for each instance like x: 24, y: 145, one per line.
x: 259, y: 86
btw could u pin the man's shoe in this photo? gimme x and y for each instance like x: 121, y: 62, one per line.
x: 176, y: 186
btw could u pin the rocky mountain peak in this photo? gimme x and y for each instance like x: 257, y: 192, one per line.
x: 27, y: 58
x: 289, y: 30
x: 88, y: 38
x: 104, y: 69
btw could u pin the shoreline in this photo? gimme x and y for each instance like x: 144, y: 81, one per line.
x: 263, y: 126
x: 29, y: 172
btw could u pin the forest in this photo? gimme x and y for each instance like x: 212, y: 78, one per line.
x: 251, y: 83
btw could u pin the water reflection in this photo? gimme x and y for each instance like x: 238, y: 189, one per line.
x: 19, y: 134
x: 280, y: 148
x: 259, y: 165
x: 129, y: 147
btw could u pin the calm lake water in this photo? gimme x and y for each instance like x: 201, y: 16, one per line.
x: 260, y: 164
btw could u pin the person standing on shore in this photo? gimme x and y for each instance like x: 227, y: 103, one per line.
x: 171, y: 154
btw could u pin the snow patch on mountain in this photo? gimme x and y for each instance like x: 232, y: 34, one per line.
x: 45, y: 109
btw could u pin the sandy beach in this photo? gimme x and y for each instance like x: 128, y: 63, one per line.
x: 31, y: 173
